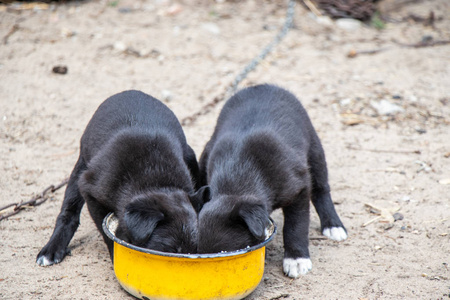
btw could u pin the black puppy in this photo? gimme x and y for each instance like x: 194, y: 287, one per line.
x: 134, y: 161
x: 265, y: 154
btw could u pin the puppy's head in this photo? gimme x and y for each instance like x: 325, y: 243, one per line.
x: 231, y: 223
x: 160, y: 221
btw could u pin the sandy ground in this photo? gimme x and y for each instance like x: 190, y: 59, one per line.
x: 186, y: 53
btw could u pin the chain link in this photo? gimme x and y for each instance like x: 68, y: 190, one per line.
x: 35, y: 201
x: 231, y: 89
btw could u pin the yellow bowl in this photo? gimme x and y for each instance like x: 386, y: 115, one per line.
x: 155, y: 275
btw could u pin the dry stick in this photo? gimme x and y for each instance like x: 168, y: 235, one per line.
x: 318, y: 238
x: 354, y: 53
x: 312, y: 8
x: 423, y: 44
x: 280, y: 296
x: 385, y: 151
x: 10, y: 33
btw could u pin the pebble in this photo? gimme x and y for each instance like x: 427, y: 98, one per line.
x: 166, y: 95
x: 211, y: 28
x: 420, y: 130
x: 324, y: 20
x: 119, y: 46
x: 405, y: 198
x: 345, y: 102
x: 398, y: 216
x: 444, y: 181
x: 386, y: 108
x: 349, y: 24
x: 62, y: 70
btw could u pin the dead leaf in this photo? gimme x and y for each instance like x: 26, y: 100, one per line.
x: 385, y: 214
x: 351, y: 119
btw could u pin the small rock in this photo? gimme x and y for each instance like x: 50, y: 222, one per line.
x: 166, y: 95
x: 413, y: 98
x: 444, y: 101
x: 345, y: 102
x: 405, y: 198
x: 125, y: 10
x: 211, y: 28
x: 119, y: 46
x: 349, y: 24
x: 386, y: 108
x: 324, y: 20
x: 174, y: 10
x: 420, y: 130
x: 398, y: 216
x: 388, y: 226
x: 62, y: 70
x: 444, y: 181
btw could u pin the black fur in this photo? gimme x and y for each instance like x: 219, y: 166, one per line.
x: 264, y: 154
x: 134, y: 161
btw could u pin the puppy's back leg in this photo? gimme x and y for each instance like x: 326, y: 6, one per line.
x: 295, y: 234
x: 66, y: 223
x: 330, y: 223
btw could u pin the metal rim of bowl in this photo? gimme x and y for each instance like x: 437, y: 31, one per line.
x: 184, y: 255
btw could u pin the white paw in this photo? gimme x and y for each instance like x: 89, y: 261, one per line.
x: 44, y: 261
x: 295, y: 267
x: 335, y: 233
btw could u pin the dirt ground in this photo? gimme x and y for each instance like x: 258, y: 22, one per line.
x: 185, y: 53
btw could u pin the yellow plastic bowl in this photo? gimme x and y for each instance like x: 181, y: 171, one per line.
x: 155, y: 275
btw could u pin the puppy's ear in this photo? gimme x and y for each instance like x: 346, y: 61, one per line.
x: 199, y: 198
x: 256, y: 217
x: 141, y: 217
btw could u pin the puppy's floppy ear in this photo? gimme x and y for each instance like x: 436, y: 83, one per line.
x: 256, y: 217
x: 141, y: 217
x: 199, y: 198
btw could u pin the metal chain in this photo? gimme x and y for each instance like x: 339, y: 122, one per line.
x: 35, y: 201
x: 231, y: 89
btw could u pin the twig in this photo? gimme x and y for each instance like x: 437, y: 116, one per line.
x: 371, y: 221
x: 423, y: 44
x: 353, y: 53
x: 10, y: 33
x: 312, y: 8
x: 280, y: 296
x: 385, y: 151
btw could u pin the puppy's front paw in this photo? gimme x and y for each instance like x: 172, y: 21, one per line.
x: 335, y: 233
x: 48, y: 258
x: 294, y: 267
